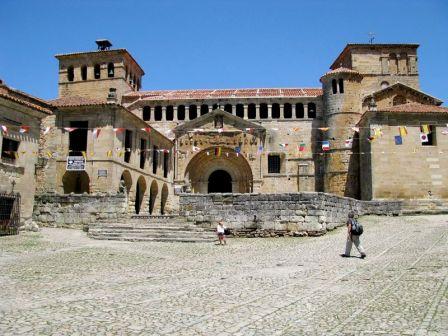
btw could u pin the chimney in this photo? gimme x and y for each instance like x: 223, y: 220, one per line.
x: 112, y: 96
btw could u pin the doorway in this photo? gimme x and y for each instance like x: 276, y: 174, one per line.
x: 220, y: 181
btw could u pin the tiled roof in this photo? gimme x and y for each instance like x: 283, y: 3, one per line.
x: 25, y: 103
x: 342, y: 70
x: 416, y: 108
x: 76, y: 101
x: 225, y: 93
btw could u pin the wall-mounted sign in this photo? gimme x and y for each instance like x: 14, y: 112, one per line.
x: 102, y: 172
x: 76, y: 163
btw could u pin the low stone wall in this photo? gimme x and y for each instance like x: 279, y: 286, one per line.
x: 78, y: 211
x: 295, y: 214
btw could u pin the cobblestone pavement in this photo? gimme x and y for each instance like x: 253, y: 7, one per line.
x: 58, y: 282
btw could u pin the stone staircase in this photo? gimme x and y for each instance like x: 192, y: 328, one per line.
x: 164, y: 228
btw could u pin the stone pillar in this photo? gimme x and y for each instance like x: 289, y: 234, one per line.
x: 152, y: 114
x: 187, y: 112
x: 174, y: 113
x: 163, y: 113
x: 210, y: 108
x: 305, y: 110
x: 245, y: 111
x: 257, y: 111
x: 269, y: 111
x: 293, y: 110
x: 232, y: 111
x: 282, y: 111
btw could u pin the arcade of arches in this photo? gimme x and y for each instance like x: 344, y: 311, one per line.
x: 224, y: 173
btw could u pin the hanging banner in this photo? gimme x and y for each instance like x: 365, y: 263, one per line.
x: 76, y: 163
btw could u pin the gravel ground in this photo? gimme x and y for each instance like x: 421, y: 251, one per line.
x: 59, y: 282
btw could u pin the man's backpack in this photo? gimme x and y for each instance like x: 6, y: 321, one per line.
x: 357, y: 228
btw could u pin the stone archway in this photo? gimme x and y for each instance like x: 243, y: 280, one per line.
x: 139, y: 194
x: 153, y: 196
x: 220, y: 181
x: 125, y: 182
x: 76, y: 182
x: 163, y: 199
x: 202, y: 166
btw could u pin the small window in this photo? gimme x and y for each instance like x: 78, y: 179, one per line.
x: 181, y: 112
x: 287, y: 111
x: 263, y: 111
x: 228, y: 108
x: 273, y: 164
x: 158, y: 113
x: 169, y: 112
x: 97, y: 71
x: 77, y: 139
x: 431, y: 136
x: 275, y: 111
x: 300, y: 111
x: 84, y: 72
x: 193, y: 112
x: 147, y: 113
x: 240, y: 110
x: 311, y: 110
x: 70, y: 74
x: 204, y: 109
x: 334, y: 86
x: 128, y: 146
x: 9, y: 150
x: 251, y: 111
x: 142, y: 153
x: 110, y: 70
x: 166, y: 161
x: 155, y: 159
x: 341, y: 85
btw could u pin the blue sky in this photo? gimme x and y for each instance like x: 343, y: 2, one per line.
x: 218, y: 44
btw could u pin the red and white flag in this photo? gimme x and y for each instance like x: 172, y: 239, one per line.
x: 146, y: 129
x: 4, y: 129
x: 349, y: 143
x: 70, y: 129
x: 24, y: 129
x: 96, y: 133
x: 118, y: 130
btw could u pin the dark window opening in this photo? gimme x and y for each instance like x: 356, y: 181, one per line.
x: 311, y: 110
x: 287, y: 111
x: 110, y: 70
x: 77, y: 139
x: 228, y: 108
x: 142, y: 153
x: 127, y: 146
x: 275, y: 111
x: 97, y: 71
x: 240, y: 110
x: 263, y: 111
x: 70, y: 74
x: 181, y: 112
x: 300, y: 112
x: 169, y: 112
x: 251, y: 111
x: 334, y: 86
x: 158, y: 113
x: 273, y: 164
x: 431, y: 136
x: 155, y: 159
x: 147, y: 113
x: 193, y: 112
x: 134, y: 82
x: 84, y: 72
x: 341, y: 85
x: 166, y: 158
x: 215, y: 106
x: 9, y: 150
x: 204, y: 109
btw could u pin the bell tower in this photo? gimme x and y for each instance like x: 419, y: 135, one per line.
x: 93, y: 74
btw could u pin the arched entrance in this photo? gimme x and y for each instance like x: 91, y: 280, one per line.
x: 139, y: 193
x: 220, y: 181
x: 125, y: 182
x: 164, y: 198
x: 152, y: 196
x: 229, y: 168
x: 76, y: 182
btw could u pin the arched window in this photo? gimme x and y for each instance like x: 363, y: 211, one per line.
x: 147, y: 113
x: 275, y: 111
x: 341, y: 85
x: 251, y: 111
x: 403, y: 63
x: 169, y: 113
x: 384, y: 84
x: 97, y: 71
x: 393, y: 64
x: 300, y: 112
x: 263, y: 111
x: 181, y: 112
x: 334, y: 86
x: 204, y: 109
x: 110, y: 70
x: 84, y: 72
x: 240, y: 110
x: 287, y: 111
x: 228, y: 108
x: 311, y: 110
x: 399, y: 100
x: 70, y: 74
x: 158, y: 113
x: 193, y: 113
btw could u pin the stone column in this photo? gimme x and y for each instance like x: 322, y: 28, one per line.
x: 257, y: 111
x: 245, y: 111
x: 174, y: 113
x: 232, y: 111
x: 187, y: 112
x: 210, y: 108
x: 269, y: 111
x: 293, y: 110
x: 282, y: 111
x: 305, y: 110
x: 163, y: 113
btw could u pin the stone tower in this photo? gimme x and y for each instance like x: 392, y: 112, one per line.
x: 93, y: 74
x: 342, y: 110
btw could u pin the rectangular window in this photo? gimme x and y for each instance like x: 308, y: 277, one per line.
x: 431, y: 135
x: 166, y: 160
x: 127, y: 146
x: 155, y: 159
x: 77, y: 139
x: 274, y: 164
x: 9, y: 150
x: 142, y: 153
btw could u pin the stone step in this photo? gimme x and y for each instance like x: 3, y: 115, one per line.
x: 138, y: 231
x: 146, y: 226
x: 156, y: 239
x: 161, y: 234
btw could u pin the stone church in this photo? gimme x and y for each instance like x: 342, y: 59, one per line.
x: 368, y: 132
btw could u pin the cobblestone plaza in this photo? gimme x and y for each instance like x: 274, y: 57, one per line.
x: 58, y: 282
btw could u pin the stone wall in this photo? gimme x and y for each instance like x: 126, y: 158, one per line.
x: 294, y: 214
x: 78, y: 211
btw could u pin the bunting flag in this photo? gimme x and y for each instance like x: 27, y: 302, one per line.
x: 146, y: 129
x: 324, y: 129
x: 227, y: 154
x: 301, y: 147
x: 325, y: 145
x: 118, y: 130
x: 120, y: 154
x: 237, y: 150
x: 377, y: 132
x: 46, y: 130
x: 96, y: 133
x: 195, y: 149
x: 109, y: 153
x: 296, y: 129
x: 403, y: 131
x: 4, y: 129
x: 208, y: 153
x: 49, y: 154
x: 218, y: 151
x: 371, y: 138
x: 445, y: 132
x: 84, y: 154
x: 349, y: 143
x: 24, y: 129
x: 424, y: 137
x: 283, y: 145
x: 250, y: 130
x: 70, y: 129
x: 398, y: 140
x: 425, y: 129
x: 356, y: 129
x: 259, y: 150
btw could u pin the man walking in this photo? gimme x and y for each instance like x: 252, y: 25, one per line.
x: 353, y: 233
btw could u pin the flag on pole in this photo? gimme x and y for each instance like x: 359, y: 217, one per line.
x: 70, y: 129
x: 4, y: 129
x: 218, y: 151
x: 424, y: 137
x: 325, y: 145
x: 349, y: 143
x: 425, y: 129
x: 403, y: 130
x: 96, y: 133
x: 398, y: 140
x: 24, y: 129
x: 301, y: 147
